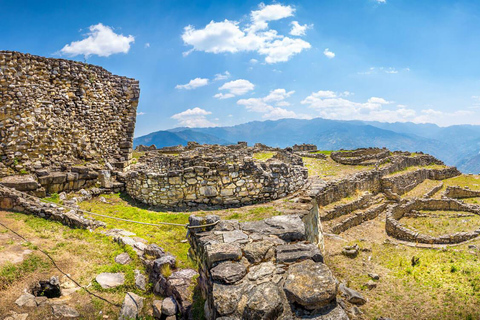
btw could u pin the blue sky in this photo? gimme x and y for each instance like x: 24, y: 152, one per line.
x: 206, y: 63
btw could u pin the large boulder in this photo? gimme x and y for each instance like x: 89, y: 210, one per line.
x: 264, y: 302
x: 131, y: 307
x: 228, y: 272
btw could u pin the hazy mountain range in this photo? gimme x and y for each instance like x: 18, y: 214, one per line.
x: 457, y: 145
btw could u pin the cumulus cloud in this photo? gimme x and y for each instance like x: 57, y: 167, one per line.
x: 228, y: 36
x: 193, y: 84
x: 192, y: 118
x: 222, y: 76
x: 331, y: 105
x: 101, y: 41
x: 140, y: 113
x: 329, y: 54
x: 270, y: 105
x: 235, y: 88
x: 298, y: 29
x: 381, y: 1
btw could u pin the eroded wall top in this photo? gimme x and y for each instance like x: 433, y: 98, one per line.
x: 59, y: 111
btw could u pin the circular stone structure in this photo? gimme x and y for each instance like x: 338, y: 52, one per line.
x: 399, y: 231
x: 214, y: 176
x: 360, y: 156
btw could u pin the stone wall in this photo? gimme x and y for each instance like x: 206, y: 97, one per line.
x: 359, y: 156
x: 396, y: 212
x: 11, y: 199
x: 304, y: 147
x: 262, y: 270
x: 460, y: 193
x: 55, y: 111
x: 216, y: 183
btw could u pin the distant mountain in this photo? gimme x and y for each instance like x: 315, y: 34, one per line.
x: 455, y: 145
x: 167, y: 138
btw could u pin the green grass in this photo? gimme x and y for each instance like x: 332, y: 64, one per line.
x: 330, y: 169
x: 168, y: 237
x: 414, y: 168
x: 256, y: 213
x: 263, y: 156
x: 443, y: 222
x: 9, y: 273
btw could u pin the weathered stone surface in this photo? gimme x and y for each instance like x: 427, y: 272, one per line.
x: 131, y: 307
x: 351, y: 295
x: 16, y: 316
x: 169, y: 306
x: 64, y: 311
x: 157, y: 308
x: 264, y: 302
x: 288, y: 228
x: 154, y: 250
x: 228, y: 272
x: 226, y: 298
x: 257, y: 251
x: 297, y: 252
x: 261, y: 271
x: 310, y: 284
x: 218, y: 252
x: 140, y: 280
x: 169, y: 260
x: 234, y: 236
x: 123, y: 258
x: 27, y: 300
x: 110, y: 280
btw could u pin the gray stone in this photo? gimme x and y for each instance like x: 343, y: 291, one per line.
x: 256, y: 251
x: 169, y: 306
x: 165, y: 260
x: 310, y: 284
x: 234, y: 236
x: 374, y: 276
x: 371, y: 284
x: 123, y: 258
x: 154, y: 250
x: 297, y: 252
x: 26, y: 300
x: 16, y: 316
x: 288, y: 228
x: 218, y: 252
x: 157, y: 309
x: 64, y: 311
x: 110, y: 280
x: 226, y: 298
x: 264, y: 302
x: 140, y: 280
x: 350, y: 251
x: 228, y: 272
x: 261, y: 271
x: 131, y: 307
x: 351, y: 295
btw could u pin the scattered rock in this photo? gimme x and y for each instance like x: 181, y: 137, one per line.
x: 26, y: 300
x: 140, y: 280
x: 131, y: 306
x: 123, y: 258
x: 310, y: 284
x: 374, y: 276
x: 350, y: 251
x: 16, y: 316
x: 157, y: 308
x: 169, y: 306
x: 351, y: 295
x: 64, y: 311
x: 371, y: 284
x: 110, y: 280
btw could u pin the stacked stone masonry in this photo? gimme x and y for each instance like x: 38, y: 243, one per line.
x: 55, y: 111
x: 263, y: 270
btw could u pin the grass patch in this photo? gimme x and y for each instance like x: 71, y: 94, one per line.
x: 329, y: 169
x: 263, y: 156
x: 253, y: 214
x: 10, y: 272
x: 442, y: 222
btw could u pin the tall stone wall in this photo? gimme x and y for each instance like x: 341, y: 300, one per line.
x: 55, y: 111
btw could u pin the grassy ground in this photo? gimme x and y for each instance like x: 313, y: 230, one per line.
x: 263, y: 156
x: 80, y: 253
x: 414, y: 168
x: 420, y: 190
x: 442, y: 222
x: 329, y: 169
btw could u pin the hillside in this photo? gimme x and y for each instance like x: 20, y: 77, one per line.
x: 455, y: 145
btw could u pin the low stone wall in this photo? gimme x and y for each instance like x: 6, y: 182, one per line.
x: 288, y: 157
x: 359, y: 156
x: 460, y: 193
x: 358, y: 218
x: 346, y: 208
x: 430, y: 193
x: 405, y: 182
x: 305, y: 147
x: 395, y: 228
x: 320, y: 156
x: 220, y: 184
x: 11, y: 199
x: 262, y: 270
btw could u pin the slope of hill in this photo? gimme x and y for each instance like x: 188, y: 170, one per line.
x: 166, y: 138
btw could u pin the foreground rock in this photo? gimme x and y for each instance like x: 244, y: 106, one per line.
x: 110, y: 280
x: 64, y: 311
x: 131, y: 307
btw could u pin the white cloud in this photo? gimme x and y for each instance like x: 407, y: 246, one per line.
x: 298, y: 29
x: 147, y: 45
x: 229, y: 36
x: 140, y: 113
x: 101, y: 41
x: 331, y: 105
x: 253, y: 61
x: 329, y: 54
x: 222, y: 76
x: 381, y: 1
x: 193, y: 84
x: 265, y: 105
x: 235, y: 88
x: 376, y: 70
x: 195, y: 117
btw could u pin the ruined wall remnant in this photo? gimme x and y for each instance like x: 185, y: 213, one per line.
x: 55, y: 111
x: 359, y: 156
